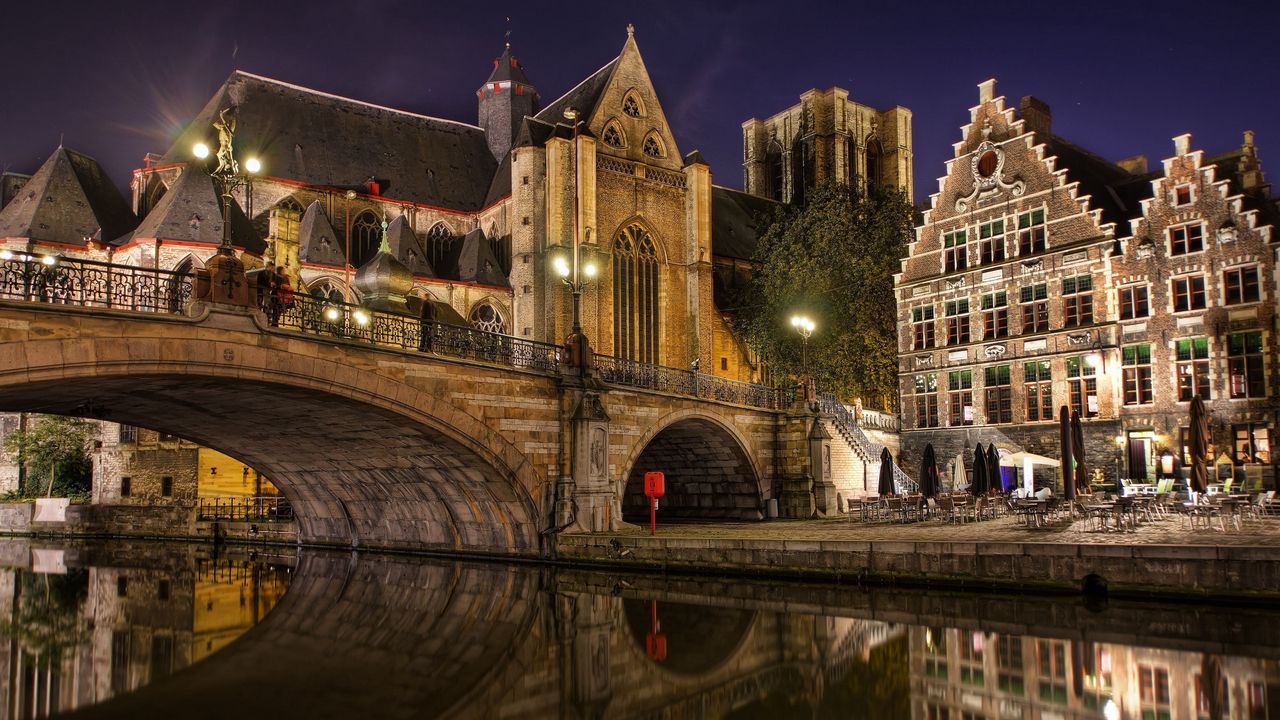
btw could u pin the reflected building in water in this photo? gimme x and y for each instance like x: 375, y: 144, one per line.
x: 76, y: 637
x: 964, y: 674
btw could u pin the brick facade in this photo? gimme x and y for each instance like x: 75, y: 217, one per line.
x: 1045, y: 276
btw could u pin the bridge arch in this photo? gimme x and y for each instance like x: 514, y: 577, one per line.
x: 391, y: 465
x: 710, y: 473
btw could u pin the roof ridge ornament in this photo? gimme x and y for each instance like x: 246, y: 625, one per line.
x: 385, y: 246
x: 631, y: 30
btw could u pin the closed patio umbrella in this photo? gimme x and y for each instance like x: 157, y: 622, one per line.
x: 929, y: 476
x: 1199, y: 446
x: 886, y: 472
x: 1077, y: 450
x: 959, y: 477
x: 1068, y: 474
x: 994, y: 481
x: 978, y: 485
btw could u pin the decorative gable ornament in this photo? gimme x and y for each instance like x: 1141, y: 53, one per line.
x: 1227, y: 233
x: 987, y: 166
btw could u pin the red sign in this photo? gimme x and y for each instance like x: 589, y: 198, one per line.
x: 655, y: 484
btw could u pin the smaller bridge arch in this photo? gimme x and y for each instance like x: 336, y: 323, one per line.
x: 710, y: 473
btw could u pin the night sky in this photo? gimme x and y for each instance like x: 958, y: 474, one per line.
x: 119, y: 79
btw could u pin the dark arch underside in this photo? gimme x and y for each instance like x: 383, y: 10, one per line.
x: 708, y: 475
x: 355, y: 473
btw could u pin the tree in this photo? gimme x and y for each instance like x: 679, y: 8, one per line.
x: 834, y: 260
x: 55, y: 448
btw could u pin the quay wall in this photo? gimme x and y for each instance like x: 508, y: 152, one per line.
x: 1125, y: 570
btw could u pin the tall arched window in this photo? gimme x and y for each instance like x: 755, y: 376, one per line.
x: 501, y: 246
x: 439, y: 243
x: 802, y: 170
x: 848, y: 162
x: 874, y: 155
x: 773, y: 166
x: 366, y: 235
x: 635, y: 295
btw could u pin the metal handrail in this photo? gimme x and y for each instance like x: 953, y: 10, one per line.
x: 266, y: 508
x: 632, y: 373
x: 870, y: 450
x: 58, y: 280
x: 334, y: 318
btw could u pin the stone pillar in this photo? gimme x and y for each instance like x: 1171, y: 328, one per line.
x: 824, y: 487
x: 797, y: 497
x: 598, y: 508
x: 592, y: 657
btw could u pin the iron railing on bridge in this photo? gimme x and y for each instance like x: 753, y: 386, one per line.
x: 851, y: 429
x: 265, y: 508
x: 620, y: 371
x: 334, y: 318
x: 87, y: 283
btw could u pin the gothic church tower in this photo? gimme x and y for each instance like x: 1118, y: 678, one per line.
x: 505, y: 99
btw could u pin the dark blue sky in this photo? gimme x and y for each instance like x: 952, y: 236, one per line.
x: 120, y: 78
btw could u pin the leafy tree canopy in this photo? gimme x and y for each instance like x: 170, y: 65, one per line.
x: 832, y: 260
x: 55, y: 450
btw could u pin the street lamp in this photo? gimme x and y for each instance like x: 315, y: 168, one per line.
x: 804, y: 326
x: 228, y: 175
x: 573, y: 270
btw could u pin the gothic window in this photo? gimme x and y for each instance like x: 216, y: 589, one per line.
x: 501, y: 247
x: 439, y: 243
x: 802, y: 170
x: 613, y: 136
x: 631, y: 106
x: 773, y: 165
x: 653, y: 147
x: 848, y: 161
x: 874, y: 155
x: 366, y: 235
x: 326, y: 289
x: 487, y: 318
x: 635, y: 295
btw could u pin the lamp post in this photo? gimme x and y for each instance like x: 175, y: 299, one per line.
x: 573, y: 270
x: 346, y: 261
x: 228, y: 174
x: 803, y: 325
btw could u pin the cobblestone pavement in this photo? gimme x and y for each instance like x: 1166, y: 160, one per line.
x: 1167, y: 531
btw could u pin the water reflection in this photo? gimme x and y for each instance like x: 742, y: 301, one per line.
x: 378, y: 636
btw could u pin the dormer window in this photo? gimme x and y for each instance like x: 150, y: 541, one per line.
x: 612, y: 136
x: 631, y: 106
x: 653, y: 147
x: 1182, y: 195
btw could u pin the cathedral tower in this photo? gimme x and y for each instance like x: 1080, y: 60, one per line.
x: 505, y: 99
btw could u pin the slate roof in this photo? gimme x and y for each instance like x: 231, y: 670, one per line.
x: 501, y: 185
x: 476, y: 262
x: 191, y: 211
x: 533, y: 133
x: 736, y: 222
x: 1112, y: 189
x: 507, y: 68
x: 317, y: 241
x: 407, y: 248
x: 321, y: 139
x: 583, y: 97
x: 67, y: 200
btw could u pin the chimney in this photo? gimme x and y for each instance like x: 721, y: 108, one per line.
x: 987, y: 91
x: 1136, y: 165
x: 1036, y: 116
x: 1182, y: 144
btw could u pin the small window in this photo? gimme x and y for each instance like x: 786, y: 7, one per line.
x: 128, y: 434
x: 653, y: 147
x: 122, y: 586
x: 162, y: 591
x: 631, y: 106
x: 612, y: 136
x: 126, y: 486
x: 1185, y: 239
x: 1182, y: 195
x: 724, y: 363
x: 166, y: 486
x: 1241, y: 285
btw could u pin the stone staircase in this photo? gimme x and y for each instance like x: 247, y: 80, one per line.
x: 854, y: 456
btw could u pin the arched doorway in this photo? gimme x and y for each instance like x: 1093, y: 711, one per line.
x: 708, y: 474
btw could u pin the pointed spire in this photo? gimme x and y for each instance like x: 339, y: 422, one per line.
x: 385, y: 246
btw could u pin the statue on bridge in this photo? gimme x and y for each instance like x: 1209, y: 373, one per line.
x: 226, y: 127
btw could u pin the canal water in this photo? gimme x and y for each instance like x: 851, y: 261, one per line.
x: 146, y: 630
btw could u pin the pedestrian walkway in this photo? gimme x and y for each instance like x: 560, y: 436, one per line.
x: 1169, y: 531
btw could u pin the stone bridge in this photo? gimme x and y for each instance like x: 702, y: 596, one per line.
x: 386, y: 436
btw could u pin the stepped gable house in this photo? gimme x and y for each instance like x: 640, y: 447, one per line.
x: 1044, y: 275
